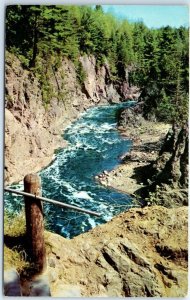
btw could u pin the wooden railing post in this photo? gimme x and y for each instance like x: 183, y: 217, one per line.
x: 34, y: 222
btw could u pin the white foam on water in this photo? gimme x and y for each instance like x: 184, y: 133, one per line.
x: 65, y: 233
x: 68, y: 185
x: 92, y: 132
x: 110, y: 141
x: 82, y: 128
x: 107, y: 126
x: 82, y: 195
x: 103, y: 206
x: 78, y: 145
x: 92, y: 222
x: 108, y: 217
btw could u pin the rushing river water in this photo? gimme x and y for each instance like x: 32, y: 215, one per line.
x: 94, y: 145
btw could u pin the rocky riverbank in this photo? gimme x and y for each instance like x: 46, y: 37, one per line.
x: 147, y: 138
x: 156, y: 168
x: 141, y: 252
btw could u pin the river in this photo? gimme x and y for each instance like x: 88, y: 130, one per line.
x: 94, y: 145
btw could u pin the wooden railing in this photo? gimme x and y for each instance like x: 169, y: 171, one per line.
x: 34, y: 217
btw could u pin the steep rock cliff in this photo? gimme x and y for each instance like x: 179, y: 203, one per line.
x: 33, y: 129
x: 142, y: 252
x: 164, y: 176
x: 168, y: 174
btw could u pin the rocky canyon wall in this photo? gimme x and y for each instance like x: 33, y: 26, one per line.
x: 142, y: 252
x: 33, y: 129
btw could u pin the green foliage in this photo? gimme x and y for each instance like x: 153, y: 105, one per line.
x: 161, y: 72
x: 158, y: 58
x: 125, y: 44
x: 15, y: 255
x: 165, y: 110
x: 81, y: 74
x: 14, y: 226
x: 43, y: 72
x: 15, y: 258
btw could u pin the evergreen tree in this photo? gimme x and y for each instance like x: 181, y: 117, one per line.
x: 42, y: 35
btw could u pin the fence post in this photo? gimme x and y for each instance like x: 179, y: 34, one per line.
x: 34, y: 222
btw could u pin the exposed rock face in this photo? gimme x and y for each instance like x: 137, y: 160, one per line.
x: 98, y: 84
x: 142, y: 252
x: 176, y: 167
x: 131, y: 175
x: 165, y: 178
x: 169, y: 173
x: 131, y: 117
x: 33, y: 132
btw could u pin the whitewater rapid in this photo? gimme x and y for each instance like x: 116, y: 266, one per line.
x: 94, y: 145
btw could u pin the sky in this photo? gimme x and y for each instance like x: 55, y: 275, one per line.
x: 154, y: 16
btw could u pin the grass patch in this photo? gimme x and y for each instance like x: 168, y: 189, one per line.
x: 15, y: 254
x: 14, y: 231
x: 13, y: 258
x: 14, y: 226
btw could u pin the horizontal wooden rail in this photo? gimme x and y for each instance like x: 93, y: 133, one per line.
x: 53, y: 202
x: 35, y: 242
